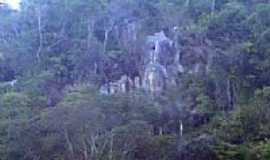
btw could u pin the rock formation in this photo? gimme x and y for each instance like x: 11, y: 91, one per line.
x: 162, y: 61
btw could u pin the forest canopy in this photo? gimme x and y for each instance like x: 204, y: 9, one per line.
x: 135, y: 80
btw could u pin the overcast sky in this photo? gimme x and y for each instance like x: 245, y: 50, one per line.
x: 14, y: 4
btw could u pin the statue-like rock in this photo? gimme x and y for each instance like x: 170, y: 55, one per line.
x: 157, y: 57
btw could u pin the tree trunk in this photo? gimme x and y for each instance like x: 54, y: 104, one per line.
x: 93, y: 147
x: 70, y: 146
x: 111, y: 147
x: 40, y: 34
x: 181, y: 128
x: 160, y: 131
x: 89, y: 36
x: 230, y: 94
x: 106, y: 36
x: 213, y: 7
x: 85, y: 150
x: 187, y: 3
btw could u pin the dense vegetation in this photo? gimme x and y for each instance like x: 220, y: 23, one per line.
x: 55, y: 55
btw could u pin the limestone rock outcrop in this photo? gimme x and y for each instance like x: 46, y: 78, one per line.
x: 162, y: 62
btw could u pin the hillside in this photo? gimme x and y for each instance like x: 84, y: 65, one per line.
x: 135, y: 80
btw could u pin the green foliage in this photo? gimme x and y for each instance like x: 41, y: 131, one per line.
x: 59, y: 53
x: 205, y: 105
x: 252, y: 151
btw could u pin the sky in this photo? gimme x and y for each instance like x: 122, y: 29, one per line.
x: 14, y: 4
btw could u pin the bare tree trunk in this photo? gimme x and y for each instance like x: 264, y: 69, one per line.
x: 234, y: 92
x: 107, y: 29
x: 40, y: 34
x: 90, y: 31
x: 70, y: 146
x: 181, y: 128
x: 92, y: 149
x: 95, y: 68
x: 187, y: 3
x: 85, y: 150
x: 229, y: 94
x: 213, y: 7
x: 103, y: 147
x: 160, y: 131
x: 105, y: 43
x: 125, y: 151
x: 111, y: 147
x: 106, y: 36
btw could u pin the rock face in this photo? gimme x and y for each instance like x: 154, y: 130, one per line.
x: 123, y: 85
x: 161, y: 63
x: 156, y: 60
x: 159, y: 67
